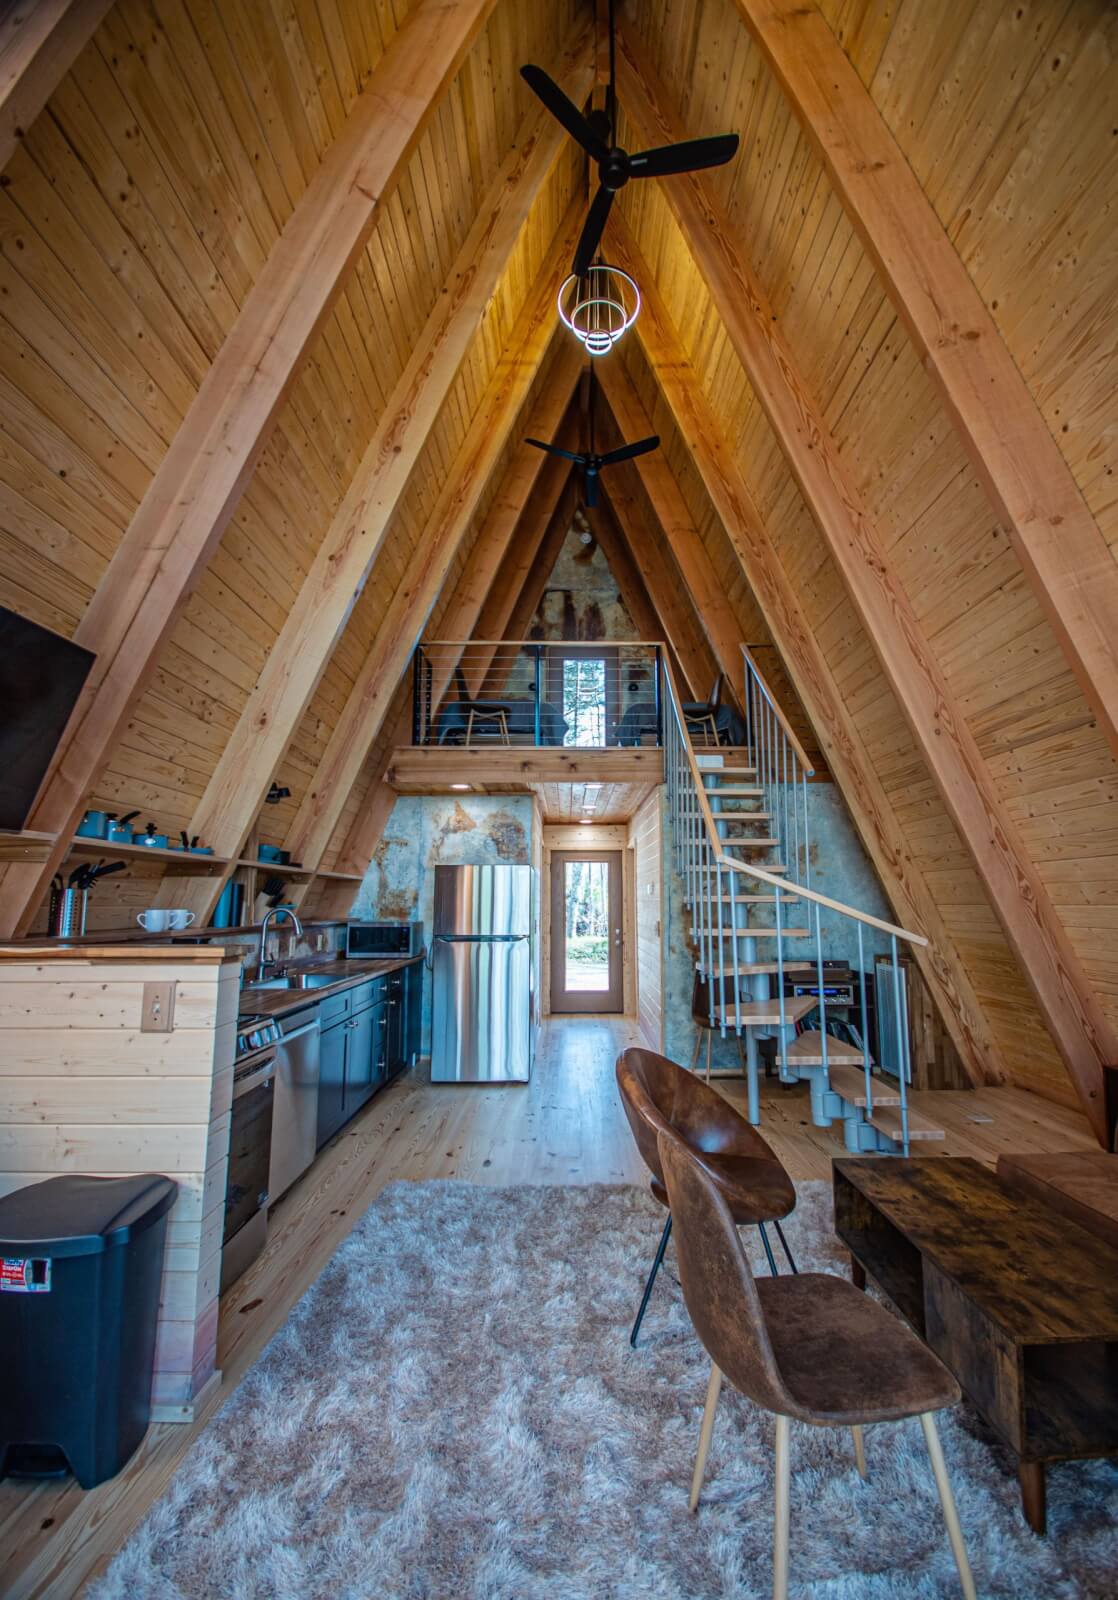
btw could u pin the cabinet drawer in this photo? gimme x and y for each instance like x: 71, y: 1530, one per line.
x: 335, y: 1007
x: 369, y: 994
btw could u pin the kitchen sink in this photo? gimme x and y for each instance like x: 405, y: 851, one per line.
x: 295, y: 980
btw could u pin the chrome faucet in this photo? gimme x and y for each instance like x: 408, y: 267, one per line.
x: 269, y: 917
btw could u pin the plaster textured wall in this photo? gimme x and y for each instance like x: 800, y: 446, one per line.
x: 426, y: 831
x: 581, y: 600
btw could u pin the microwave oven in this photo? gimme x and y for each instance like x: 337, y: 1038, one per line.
x: 364, y: 940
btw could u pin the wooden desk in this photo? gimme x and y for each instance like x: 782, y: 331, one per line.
x: 1021, y: 1305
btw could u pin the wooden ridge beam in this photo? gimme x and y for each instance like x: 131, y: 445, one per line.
x: 412, y: 603
x: 1032, y: 488
x: 847, y: 758
x: 198, y: 485
x: 1030, y: 921
x: 39, y: 42
x: 483, y: 574
x: 345, y: 558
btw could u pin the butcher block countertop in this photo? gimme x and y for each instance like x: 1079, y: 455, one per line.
x: 126, y: 954
x: 278, y: 1002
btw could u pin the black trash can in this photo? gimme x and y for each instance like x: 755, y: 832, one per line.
x: 80, y: 1267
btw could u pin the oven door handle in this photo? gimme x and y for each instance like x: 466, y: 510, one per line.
x: 256, y: 1080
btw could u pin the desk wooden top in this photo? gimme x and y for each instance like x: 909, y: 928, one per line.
x: 1036, y: 1276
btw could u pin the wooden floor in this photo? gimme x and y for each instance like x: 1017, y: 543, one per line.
x: 566, y: 1127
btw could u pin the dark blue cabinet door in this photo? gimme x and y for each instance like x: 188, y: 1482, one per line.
x: 360, y: 1055
x: 331, y: 1082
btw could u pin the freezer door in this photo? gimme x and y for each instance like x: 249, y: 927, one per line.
x: 483, y: 902
x: 481, y: 1011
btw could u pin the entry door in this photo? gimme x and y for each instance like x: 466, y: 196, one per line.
x: 586, y: 931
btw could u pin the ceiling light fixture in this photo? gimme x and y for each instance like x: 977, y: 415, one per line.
x: 598, y: 306
x: 459, y: 786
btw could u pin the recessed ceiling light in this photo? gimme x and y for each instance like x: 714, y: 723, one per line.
x: 585, y: 822
x: 459, y: 786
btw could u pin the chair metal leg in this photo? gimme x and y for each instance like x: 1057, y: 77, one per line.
x: 768, y: 1250
x: 860, y: 1451
x: 710, y: 1047
x: 784, y: 1242
x: 947, y: 1501
x: 698, y: 1047
x: 663, y: 1245
x: 781, y: 1510
x: 714, y: 1389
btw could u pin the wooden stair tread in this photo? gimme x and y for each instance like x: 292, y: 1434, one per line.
x: 888, y: 1122
x: 754, y: 899
x: 752, y: 969
x: 806, y: 1050
x: 735, y: 791
x: 720, y: 815
x: 765, y: 933
x: 731, y: 772
x: 850, y: 1083
x: 744, y: 843
x: 755, y: 1012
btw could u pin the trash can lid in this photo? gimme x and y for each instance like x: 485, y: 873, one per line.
x: 79, y: 1215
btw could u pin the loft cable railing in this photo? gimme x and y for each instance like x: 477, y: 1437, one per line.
x: 719, y: 889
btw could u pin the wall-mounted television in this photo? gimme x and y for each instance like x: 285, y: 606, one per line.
x: 41, y: 676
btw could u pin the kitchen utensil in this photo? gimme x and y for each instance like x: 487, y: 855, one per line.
x: 185, y: 837
x: 157, y: 841
x: 66, y: 916
x: 155, y: 920
x: 118, y: 831
x: 272, y: 853
x: 93, y: 825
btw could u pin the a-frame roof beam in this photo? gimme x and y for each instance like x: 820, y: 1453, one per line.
x: 411, y: 606
x: 345, y: 558
x: 1059, y: 544
x: 187, y: 506
x: 950, y: 751
x: 39, y: 42
x: 846, y: 755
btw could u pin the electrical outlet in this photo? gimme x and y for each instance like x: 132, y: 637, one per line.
x: 158, y: 1015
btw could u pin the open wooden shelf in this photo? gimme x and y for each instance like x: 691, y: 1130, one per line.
x: 206, y: 866
x: 26, y: 846
x: 278, y: 868
x: 340, y: 877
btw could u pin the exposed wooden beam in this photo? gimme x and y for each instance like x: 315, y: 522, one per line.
x: 411, y: 605
x: 39, y: 42
x: 345, y: 558
x: 849, y: 762
x: 489, y: 559
x: 691, y: 669
x: 183, y: 514
x: 1059, y: 544
x: 1030, y: 921
x: 670, y: 597
x: 531, y: 592
x: 512, y: 765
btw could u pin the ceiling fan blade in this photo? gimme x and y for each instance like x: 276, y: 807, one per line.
x: 690, y: 155
x: 592, y: 231
x: 554, y: 450
x: 590, y: 484
x: 564, y: 111
x: 626, y: 452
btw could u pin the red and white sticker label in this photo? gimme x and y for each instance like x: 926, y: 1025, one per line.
x: 29, y: 1275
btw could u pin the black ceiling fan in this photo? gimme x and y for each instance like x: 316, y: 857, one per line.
x: 589, y: 460
x: 597, y: 134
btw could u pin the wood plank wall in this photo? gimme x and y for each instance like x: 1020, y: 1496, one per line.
x: 84, y: 1090
x: 646, y: 841
x: 1009, y: 125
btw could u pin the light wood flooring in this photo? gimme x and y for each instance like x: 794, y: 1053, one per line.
x: 566, y: 1127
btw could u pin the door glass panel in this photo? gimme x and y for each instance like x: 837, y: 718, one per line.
x: 584, y: 700
x: 586, y: 933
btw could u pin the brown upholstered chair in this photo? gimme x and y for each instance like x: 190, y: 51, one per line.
x: 809, y: 1347
x: 656, y: 1094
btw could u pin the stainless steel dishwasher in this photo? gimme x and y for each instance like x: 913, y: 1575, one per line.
x: 295, y: 1118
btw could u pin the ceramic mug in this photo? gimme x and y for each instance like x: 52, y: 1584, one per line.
x: 155, y: 921
x: 181, y: 918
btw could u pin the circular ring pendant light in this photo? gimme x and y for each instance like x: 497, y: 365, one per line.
x: 599, y: 306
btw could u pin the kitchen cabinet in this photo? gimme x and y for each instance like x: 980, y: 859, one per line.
x: 331, y: 1081
x: 361, y: 1046
x: 412, y: 1043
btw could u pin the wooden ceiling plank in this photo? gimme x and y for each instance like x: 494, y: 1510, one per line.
x: 1037, y: 936
x: 347, y: 554
x: 411, y: 606
x: 531, y: 592
x: 1030, y: 484
x: 39, y: 42
x: 631, y: 580
x: 200, y: 481
x: 822, y: 699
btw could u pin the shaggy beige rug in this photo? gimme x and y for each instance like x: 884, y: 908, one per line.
x: 453, y: 1410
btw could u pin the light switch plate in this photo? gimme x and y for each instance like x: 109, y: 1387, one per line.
x: 158, y: 1015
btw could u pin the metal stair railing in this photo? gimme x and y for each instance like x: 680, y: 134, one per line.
x: 715, y: 881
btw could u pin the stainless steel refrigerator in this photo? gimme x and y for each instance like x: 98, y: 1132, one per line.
x: 481, y: 960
